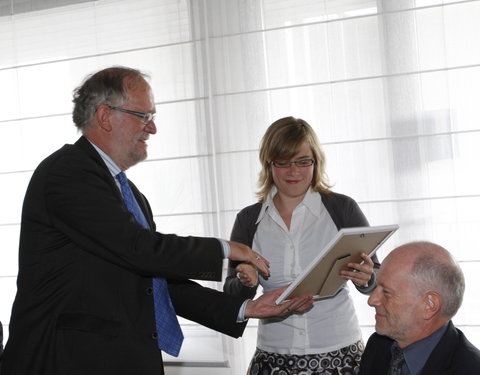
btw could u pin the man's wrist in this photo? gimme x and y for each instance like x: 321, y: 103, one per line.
x: 241, y: 312
x: 226, y: 248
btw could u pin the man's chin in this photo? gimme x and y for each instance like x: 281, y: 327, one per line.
x: 137, y: 158
x: 381, y: 330
x: 141, y: 154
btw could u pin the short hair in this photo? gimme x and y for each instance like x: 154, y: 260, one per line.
x: 108, y: 86
x: 281, y: 141
x: 432, y: 272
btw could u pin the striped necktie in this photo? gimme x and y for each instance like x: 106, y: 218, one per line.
x: 170, y: 336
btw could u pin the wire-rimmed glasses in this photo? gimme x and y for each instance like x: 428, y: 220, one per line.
x: 146, y: 117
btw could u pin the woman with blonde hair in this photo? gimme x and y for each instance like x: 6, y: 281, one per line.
x: 296, y: 216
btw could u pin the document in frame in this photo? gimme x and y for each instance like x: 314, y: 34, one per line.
x: 322, y: 277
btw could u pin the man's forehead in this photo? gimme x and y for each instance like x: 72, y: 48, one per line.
x: 136, y: 87
x: 140, y: 93
x: 390, y: 269
x: 395, y: 273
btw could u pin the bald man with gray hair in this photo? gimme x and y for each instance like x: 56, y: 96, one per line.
x: 420, y: 288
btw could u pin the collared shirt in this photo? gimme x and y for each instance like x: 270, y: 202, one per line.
x: 416, y: 354
x: 111, y: 165
x: 332, y: 323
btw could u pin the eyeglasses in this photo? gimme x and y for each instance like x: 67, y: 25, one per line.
x: 302, y: 163
x: 146, y: 118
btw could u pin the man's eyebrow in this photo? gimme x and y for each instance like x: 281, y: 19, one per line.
x: 387, y: 288
x: 382, y: 285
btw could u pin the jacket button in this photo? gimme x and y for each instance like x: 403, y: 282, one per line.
x: 155, y: 335
x: 149, y: 291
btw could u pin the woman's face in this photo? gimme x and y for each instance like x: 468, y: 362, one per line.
x: 293, y: 181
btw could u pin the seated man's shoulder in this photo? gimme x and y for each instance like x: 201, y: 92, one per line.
x: 376, y: 356
x: 377, y: 346
x: 466, y: 351
x: 457, y: 353
x: 376, y: 339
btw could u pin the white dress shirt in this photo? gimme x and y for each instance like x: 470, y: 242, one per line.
x: 332, y: 323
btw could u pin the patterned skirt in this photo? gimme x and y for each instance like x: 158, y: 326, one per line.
x: 345, y: 361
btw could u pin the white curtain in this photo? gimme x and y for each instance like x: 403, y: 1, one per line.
x: 390, y: 86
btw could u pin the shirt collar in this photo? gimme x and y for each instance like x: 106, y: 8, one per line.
x: 416, y: 354
x: 112, y: 167
x: 311, y: 201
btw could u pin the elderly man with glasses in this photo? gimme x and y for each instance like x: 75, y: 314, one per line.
x: 98, y: 287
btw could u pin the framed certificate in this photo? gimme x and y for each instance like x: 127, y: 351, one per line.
x: 322, y: 277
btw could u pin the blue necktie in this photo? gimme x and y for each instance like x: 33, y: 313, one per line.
x: 170, y: 336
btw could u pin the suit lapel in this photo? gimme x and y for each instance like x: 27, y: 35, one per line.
x: 142, y: 202
x: 87, y: 147
x: 376, y: 358
x: 85, y: 144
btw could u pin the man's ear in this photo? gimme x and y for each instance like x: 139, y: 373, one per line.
x: 102, y: 117
x: 432, y: 304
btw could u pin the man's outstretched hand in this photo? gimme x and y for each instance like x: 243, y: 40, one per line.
x: 265, y: 307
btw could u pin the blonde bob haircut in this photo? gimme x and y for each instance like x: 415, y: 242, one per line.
x: 282, y: 141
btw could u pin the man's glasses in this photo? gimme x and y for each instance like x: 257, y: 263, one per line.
x: 302, y: 163
x: 146, y: 118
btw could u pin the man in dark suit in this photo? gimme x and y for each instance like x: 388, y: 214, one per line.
x: 419, y: 289
x: 85, y: 298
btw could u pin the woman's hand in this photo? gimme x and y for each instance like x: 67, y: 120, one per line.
x: 360, y: 273
x: 247, y: 274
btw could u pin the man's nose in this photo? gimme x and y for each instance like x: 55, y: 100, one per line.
x: 373, y: 300
x: 151, y: 127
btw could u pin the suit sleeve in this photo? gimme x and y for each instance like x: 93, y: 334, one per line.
x: 84, y: 207
x: 206, y: 306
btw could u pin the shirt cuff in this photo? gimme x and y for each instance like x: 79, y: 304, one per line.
x: 241, y: 312
x: 226, y: 248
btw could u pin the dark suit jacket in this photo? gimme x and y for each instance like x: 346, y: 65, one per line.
x: 84, y: 300
x: 453, y: 355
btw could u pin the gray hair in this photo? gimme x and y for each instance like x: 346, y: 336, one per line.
x: 432, y: 271
x: 108, y: 86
